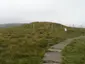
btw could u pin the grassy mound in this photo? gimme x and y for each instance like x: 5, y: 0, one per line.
x: 74, y: 53
x: 27, y: 44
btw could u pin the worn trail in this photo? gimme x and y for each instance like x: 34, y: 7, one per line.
x: 53, y: 56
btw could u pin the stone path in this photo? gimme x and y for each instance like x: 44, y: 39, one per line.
x: 53, y: 55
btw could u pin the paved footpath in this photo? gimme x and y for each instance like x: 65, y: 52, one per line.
x: 53, y: 55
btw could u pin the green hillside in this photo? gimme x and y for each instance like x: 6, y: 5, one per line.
x: 26, y: 44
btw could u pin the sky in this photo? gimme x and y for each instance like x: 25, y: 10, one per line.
x: 60, y: 11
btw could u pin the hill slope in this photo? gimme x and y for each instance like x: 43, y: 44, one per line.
x: 10, y: 25
x: 27, y: 44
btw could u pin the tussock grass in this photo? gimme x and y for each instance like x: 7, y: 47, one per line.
x: 74, y: 53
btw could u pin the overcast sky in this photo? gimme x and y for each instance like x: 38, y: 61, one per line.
x: 61, y: 11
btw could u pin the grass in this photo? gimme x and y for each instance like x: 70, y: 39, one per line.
x: 74, y: 53
x: 28, y: 43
